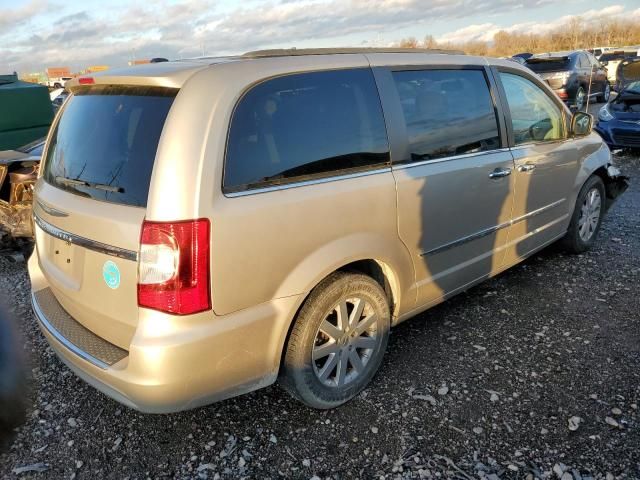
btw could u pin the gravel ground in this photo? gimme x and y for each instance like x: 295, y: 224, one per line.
x: 535, y: 373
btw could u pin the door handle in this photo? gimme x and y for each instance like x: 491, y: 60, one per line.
x: 527, y: 167
x: 500, y: 172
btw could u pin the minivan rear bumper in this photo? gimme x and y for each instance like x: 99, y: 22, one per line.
x: 177, y: 363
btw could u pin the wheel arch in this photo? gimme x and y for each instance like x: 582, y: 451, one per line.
x: 379, y: 270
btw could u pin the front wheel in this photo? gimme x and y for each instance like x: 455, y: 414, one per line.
x: 587, y: 216
x: 337, y: 341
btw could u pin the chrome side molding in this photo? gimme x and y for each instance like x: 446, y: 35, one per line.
x: 490, y: 230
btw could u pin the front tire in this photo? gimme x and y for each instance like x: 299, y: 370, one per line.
x: 337, y: 342
x: 587, y: 216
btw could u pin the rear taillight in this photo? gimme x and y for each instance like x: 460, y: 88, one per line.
x: 173, y: 266
x: 86, y: 81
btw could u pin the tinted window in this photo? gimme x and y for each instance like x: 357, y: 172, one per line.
x: 305, y: 126
x: 447, y: 112
x: 105, y: 143
x: 584, y: 61
x: 534, y: 116
x: 549, y: 64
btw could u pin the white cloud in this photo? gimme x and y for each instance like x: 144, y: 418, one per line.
x: 483, y: 32
x: 13, y: 17
x: 185, y: 28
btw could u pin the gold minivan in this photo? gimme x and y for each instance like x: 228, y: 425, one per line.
x: 206, y: 227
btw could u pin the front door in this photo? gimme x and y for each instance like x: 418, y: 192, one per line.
x: 546, y: 165
x: 454, y: 179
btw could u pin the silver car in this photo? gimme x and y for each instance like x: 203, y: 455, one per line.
x: 205, y: 228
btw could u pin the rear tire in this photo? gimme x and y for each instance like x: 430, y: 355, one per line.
x: 587, y: 216
x: 337, y: 342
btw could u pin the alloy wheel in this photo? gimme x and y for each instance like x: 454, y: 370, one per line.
x: 345, y: 342
x: 589, y: 214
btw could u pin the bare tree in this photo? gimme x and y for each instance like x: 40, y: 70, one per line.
x: 576, y: 34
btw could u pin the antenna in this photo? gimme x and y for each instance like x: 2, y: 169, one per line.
x: 591, y: 75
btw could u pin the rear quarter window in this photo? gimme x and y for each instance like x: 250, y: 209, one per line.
x: 105, y: 143
x: 305, y: 126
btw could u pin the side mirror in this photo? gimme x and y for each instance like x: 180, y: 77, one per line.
x: 581, y: 124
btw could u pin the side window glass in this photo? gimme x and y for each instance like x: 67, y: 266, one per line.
x: 580, y: 61
x: 585, y: 61
x: 447, y: 112
x: 534, y: 116
x: 304, y: 126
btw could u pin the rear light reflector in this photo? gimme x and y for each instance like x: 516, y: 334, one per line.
x: 173, y: 267
x: 86, y: 81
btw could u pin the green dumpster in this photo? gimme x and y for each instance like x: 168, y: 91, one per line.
x: 25, y: 112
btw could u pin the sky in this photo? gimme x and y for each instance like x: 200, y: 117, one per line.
x: 35, y: 34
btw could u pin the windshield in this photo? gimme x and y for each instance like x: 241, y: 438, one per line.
x: 633, y: 87
x: 629, y: 73
x: 550, y: 64
x: 105, y: 143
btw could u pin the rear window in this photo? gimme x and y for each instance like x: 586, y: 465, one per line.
x: 540, y: 65
x: 105, y: 143
x: 305, y: 126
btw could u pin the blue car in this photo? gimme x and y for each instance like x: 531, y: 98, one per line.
x: 619, y: 120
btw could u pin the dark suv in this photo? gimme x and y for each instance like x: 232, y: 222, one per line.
x: 574, y: 76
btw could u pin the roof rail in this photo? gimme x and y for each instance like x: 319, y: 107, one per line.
x: 286, y: 52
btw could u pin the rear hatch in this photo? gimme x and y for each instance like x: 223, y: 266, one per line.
x: 554, y: 70
x: 91, y: 200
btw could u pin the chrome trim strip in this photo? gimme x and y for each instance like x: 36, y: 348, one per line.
x: 463, y: 240
x: 538, y: 211
x: 403, y: 166
x: 85, y: 242
x: 307, y: 182
x: 50, y: 210
x: 490, y: 230
x: 45, y: 323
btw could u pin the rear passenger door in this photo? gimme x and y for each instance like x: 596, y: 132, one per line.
x: 453, y: 175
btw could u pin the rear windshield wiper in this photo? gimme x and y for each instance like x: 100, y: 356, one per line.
x: 83, y: 183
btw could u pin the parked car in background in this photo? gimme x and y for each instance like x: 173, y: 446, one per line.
x: 619, y: 120
x: 58, y: 97
x: 612, y: 59
x: 18, y: 173
x: 598, y: 51
x: 57, y: 82
x: 575, y: 76
x: 235, y: 221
